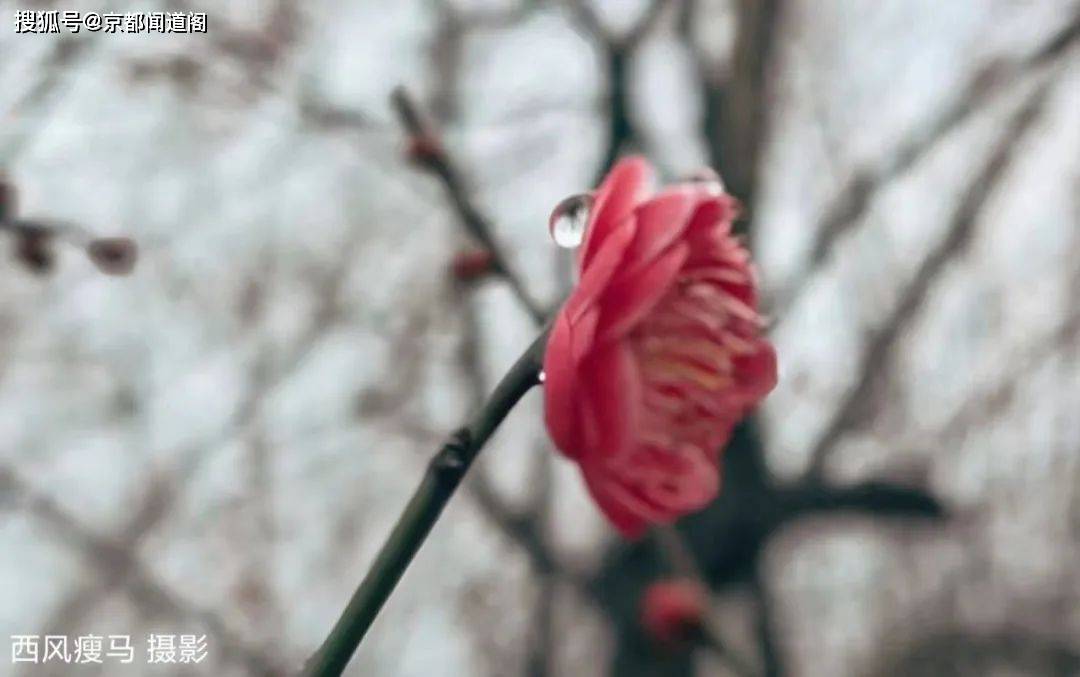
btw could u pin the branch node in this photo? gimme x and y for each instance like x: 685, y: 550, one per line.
x: 453, y: 459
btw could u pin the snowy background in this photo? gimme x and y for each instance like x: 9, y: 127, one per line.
x: 219, y: 443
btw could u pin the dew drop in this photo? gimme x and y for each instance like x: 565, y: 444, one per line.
x: 569, y: 220
x: 709, y: 178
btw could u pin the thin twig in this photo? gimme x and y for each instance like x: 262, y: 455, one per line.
x: 709, y: 638
x: 678, y: 553
x: 734, y: 102
x: 680, y: 557
x: 617, y: 52
x: 875, y: 359
x: 851, y: 202
x: 771, y: 656
x: 429, y: 152
x: 118, y: 565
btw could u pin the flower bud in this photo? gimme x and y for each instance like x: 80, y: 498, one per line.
x: 672, y: 611
x: 113, y: 255
x: 423, y: 149
x: 34, y: 249
x: 472, y: 264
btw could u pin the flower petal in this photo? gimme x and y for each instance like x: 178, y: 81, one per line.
x: 683, y: 481
x: 756, y: 373
x: 630, y: 523
x: 625, y: 185
x: 661, y: 221
x: 631, y: 298
x: 561, y: 387
x: 615, y: 391
x: 710, y: 221
x: 601, y: 269
x: 583, y: 334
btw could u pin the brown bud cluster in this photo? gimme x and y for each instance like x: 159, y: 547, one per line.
x: 34, y: 249
x: 113, y: 255
x: 472, y: 264
x: 34, y: 241
x: 423, y: 149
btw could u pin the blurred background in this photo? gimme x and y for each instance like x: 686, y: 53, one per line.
x: 219, y: 443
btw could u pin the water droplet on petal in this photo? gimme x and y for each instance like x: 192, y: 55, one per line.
x: 710, y: 178
x: 569, y: 220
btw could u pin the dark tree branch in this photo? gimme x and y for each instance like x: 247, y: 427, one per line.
x: 538, y: 661
x: 735, y: 145
x: 617, y: 52
x: 734, y: 100
x: 879, y: 499
x: 589, y: 22
x: 766, y: 631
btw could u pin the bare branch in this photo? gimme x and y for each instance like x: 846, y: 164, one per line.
x: 854, y: 197
x: 117, y: 564
x: 875, y: 362
x: 735, y: 111
x: 428, y: 151
x: 644, y: 26
x: 616, y: 52
x: 771, y: 655
x: 589, y: 21
x: 992, y: 401
x: 881, y: 499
